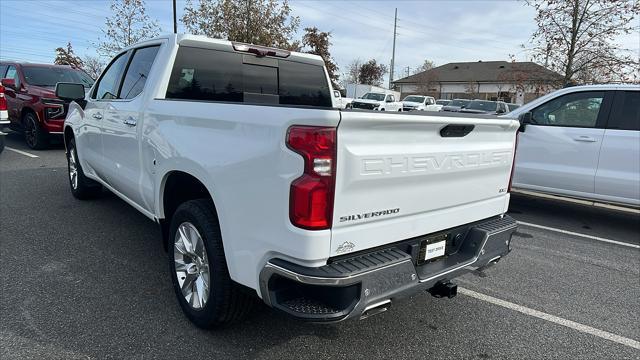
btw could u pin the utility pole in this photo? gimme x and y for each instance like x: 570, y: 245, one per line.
x: 175, y: 23
x: 393, y: 54
x: 408, y: 68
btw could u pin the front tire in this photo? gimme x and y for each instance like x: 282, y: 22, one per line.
x: 34, y: 135
x: 201, y: 281
x: 81, y: 187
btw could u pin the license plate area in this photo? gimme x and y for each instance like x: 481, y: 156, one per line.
x: 432, y: 248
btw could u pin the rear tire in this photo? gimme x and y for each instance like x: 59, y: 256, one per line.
x: 202, y: 273
x: 34, y: 135
x: 81, y: 187
x: 2, y: 142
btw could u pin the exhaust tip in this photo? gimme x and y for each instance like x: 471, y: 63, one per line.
x: 375, y: 309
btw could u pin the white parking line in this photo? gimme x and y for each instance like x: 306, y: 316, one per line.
x: 21, y: 152
x: 580, y: 235
x: 554, y: 319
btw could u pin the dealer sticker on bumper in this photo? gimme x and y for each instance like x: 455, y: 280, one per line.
x: 434, y: 250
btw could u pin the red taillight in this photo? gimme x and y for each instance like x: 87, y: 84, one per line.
x: 3, y: 101
x: 513, y: 163
x: 311, y: 195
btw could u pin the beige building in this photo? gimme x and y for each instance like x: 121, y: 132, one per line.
x: 517, y: 82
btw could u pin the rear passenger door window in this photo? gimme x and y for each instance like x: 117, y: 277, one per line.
x: 572, y: 110
x: 625, y: 112
x: 107, y: 87
x: 138, y: 72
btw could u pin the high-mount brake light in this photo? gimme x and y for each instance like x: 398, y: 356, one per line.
x: 3, y: 100
x: 311, y: 195
x: 260, y: 51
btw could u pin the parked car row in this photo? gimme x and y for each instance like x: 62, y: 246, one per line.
x: 30, y: 100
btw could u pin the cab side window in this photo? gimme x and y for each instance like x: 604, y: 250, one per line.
x: 107, y: 88
x: 625, y: 113
x: 572, y: 110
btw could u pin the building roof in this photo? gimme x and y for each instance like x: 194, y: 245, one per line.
x: 481, y: 71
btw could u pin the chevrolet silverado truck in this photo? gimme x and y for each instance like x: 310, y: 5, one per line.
x: 377, y: 101
x: 264, y: 190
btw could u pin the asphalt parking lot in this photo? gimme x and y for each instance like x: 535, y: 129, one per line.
x: 90, y: 280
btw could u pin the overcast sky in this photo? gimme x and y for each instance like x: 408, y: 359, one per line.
x: 443, y: 31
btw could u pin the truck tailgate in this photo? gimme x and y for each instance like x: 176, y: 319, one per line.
x: 400, y: 176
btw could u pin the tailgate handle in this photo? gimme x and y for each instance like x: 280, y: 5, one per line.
x: 456, y: 130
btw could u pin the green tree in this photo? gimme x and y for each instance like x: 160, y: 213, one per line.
x: 66, y: 56
x: 318, y: 43
x: 261, y: 22
x: 371, y: 73
x: 128, y: 25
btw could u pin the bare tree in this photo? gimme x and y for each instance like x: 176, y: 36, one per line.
x: 426, y: 65
x: 427, y: 82
x: 318, y: 43
x: 353, y: 72
x: 371, y: 73
x: 93, y: 66
x: 262, y: 22
x: 128, y: 25
x: 576, y: 38
x: 66, y: 56
x: 471, y: 89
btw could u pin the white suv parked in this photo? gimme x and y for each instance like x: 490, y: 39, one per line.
x: 582, y: 142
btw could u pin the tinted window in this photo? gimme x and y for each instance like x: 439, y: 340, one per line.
x: 3, y: 70
x: 108, y: 85
x: 50, y: 76
x: 138, y: 72
x: 625, y: 114
x: 12, y: 73
x: 482, y: 105
x: 577, y: 110
x: 203, y: 74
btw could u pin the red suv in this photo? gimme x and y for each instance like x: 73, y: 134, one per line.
x: 32, y: 105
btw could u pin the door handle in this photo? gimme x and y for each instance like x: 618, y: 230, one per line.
x: 130, y: 121
x: 585, y: 138
x: 97, y: 116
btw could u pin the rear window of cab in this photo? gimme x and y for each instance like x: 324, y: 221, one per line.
x: 215, y: 75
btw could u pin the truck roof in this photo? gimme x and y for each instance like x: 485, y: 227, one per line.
x: 226, y: 45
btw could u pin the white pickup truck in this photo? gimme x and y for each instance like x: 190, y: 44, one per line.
x: 340, y: 102
x: 420, y: 103
x: 263, y: 190
x: 377, y: 101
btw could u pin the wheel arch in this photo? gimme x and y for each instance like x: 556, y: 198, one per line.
x: 176, y: 187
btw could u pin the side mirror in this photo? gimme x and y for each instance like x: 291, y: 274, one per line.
x: 9, y: 83
x: 70, y: 91
x: 524, y: 118
x: 336, y: 94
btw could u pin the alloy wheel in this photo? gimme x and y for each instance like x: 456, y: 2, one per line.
x: 73, y: 168
x: 30, y: 131
x: 191, y: 265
